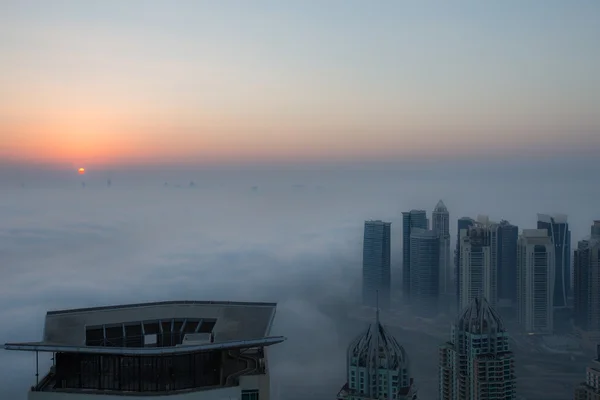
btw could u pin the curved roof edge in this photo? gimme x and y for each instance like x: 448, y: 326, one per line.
x: 58, y: 348
x: 164, y: 303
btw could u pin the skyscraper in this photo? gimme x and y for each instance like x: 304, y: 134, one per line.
x: 507, y: 261
x: 463, y: 223
x: 558, y: 230
x: 377, y: 367
x: 477, y: 364
x: 590, y: 389
x: 410, y: 219
x: 376, y: 264
x: 535, y: 280
x: 478, y: 258
x: 425, y: 270
x: 586, y: 273
x: 440, y: 222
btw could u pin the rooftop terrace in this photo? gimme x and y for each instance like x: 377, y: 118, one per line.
x: 156, y: 328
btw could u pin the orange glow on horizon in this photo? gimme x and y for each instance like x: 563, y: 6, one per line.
x: 81, y: 171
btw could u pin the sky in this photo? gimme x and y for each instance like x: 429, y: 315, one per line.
x: 109, y: 83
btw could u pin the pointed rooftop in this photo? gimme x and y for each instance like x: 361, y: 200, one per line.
x: 376, y: 340
x: 480, y: 318
x: 440, y: 207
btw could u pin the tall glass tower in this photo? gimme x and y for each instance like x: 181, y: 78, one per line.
x: 478, y: 258
x: 463, y: 223
x: 558, y: 230
x: 425, y: 270
x: 376, y: 276
x: 508, y: 236
x: 440, y: 222
x: 535, y: 280
x: 410, y: 219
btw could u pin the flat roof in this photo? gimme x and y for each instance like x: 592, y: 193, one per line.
x: 235, y: 323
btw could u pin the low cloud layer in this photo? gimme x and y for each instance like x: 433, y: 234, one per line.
x: 296, y: 241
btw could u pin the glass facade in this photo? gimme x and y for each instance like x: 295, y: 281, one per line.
x: 561, y: 238
x: 376, y: 277
x: 410, y: 219
x: 425, y: 270
x: 463, y: 223
x: 508, y: 236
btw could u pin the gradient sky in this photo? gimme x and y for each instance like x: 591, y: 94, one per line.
x: 113, y: 82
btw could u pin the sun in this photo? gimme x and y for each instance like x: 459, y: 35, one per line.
x: 81, y: 171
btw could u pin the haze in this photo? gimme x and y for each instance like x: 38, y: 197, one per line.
x: 247, y: 142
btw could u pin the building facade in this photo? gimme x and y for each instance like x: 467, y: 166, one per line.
x: 440, y: 222
x: 424, y: 271
x: 377, y: 367
x: 558, y: 230
x: 586, y: 274
x: 410, y: 219
x: 590, y: 389
x: 464, y: 223
x: 508, y: 236
x: 376, y: 273
x: 478, y: 258
x: 535, y: 281
x: 173, y: 350
x: 477, y: 363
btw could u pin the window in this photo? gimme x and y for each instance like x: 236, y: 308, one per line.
x: 150, y: 340
x: 249, y: 394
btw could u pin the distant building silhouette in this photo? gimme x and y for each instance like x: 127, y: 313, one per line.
x: 376, y: 276
x: 507, y: 237
x: 535, y: 281
x: 558, y: 230
x: 478, y: 258
x: 410, y: 219
x: 440, y: 222
x: 463, y: 223
x: 425, y: 270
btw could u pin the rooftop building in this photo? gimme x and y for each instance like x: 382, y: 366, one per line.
x: 178, y: 349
